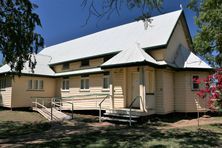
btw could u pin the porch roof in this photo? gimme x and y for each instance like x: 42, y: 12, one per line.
x: 133, y: 55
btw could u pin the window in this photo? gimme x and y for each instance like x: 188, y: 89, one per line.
x: 65, y: 66
x: 2, y: 83
x: 106, y: 82
x: 84, y: 63
x: 65, y: 84
x: 30, y: 84
x: 84, y: 83
x: 40, y: 84
x: 35, y: 85
x: 195, y: 84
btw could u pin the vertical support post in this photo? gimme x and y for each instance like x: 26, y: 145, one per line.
x: 125, y: 96
x: 111, y: 91
x: 51, y: 110
x: 130, y: 121
x: 96, y: 100
x: 142, y: 91
x: 72, y: 110
x: 43, y: 103
x: 198, y: 118
x: 100, y: 113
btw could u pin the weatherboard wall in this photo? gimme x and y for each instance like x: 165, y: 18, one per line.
x: 191, y: 94
x: 77, y: 65
x: 22, y: 97
x: 76, y: 94
x: 184, y: 95
x: 6, y: 93
x: 178, y: 38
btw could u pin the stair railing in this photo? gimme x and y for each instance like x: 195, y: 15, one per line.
x: 131, y: 105
x: 100, y: 106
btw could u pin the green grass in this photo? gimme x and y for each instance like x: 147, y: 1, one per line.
x: 207, y: 136
x: 79, y: 133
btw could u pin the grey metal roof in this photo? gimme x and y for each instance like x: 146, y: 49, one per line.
x: 41, y: 68
x: 130, y: 56
x: 116, y: 39
x: 183, y: 59
x: 187, y: 59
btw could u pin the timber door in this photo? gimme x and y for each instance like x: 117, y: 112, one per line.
x: 135, y: 89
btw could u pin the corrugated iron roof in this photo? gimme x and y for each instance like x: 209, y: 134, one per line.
x: 116, y: 39
x: 41, y: 68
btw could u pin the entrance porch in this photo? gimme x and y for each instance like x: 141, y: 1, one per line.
x: 133, y: 87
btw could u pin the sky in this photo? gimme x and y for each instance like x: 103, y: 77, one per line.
x: 64, y: 20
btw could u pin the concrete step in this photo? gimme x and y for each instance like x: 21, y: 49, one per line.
x: 120, y: 115
x: 118, y: 120
x: 126, y: 111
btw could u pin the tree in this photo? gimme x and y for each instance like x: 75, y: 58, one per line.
x: 212, y: 90
x: 105, y: 8
x: 18, y: 40
x: 208, y: 40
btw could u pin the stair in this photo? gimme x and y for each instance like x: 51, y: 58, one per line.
x: 57, y: 115
x: 123, y: 118
x: 122, y: 115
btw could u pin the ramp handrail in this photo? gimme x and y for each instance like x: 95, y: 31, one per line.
x: 39, y: 104
x: 131, y: 105
x: 56, y: 103
x: 100, y: 106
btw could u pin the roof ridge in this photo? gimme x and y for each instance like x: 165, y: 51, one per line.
x: 111, y: 28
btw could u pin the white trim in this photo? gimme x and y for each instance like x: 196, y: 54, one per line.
x: 84, y: 88
x: 66, y: 82
x: 108, y: 78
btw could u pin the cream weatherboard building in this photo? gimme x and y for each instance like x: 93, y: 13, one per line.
x: 154, y: 62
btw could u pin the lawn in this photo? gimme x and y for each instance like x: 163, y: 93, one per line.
x: 84, y: 131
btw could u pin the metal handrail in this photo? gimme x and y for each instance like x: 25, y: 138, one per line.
x: 100, y: 106
x: 39, y: 104
x: 130, y: 106
x: 55, y: 103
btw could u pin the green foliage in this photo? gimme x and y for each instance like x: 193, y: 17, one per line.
x: 208, y: 41
x: 18, y: 41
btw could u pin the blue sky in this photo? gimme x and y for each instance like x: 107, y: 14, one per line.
x: 63, y: 20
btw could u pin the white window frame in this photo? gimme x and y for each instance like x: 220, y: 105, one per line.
x: 30, y: 85
x: 83, y: 86
x: 35, y: 85
x: 108, y: 80
x: 65, y: 84
x: 192, y: 82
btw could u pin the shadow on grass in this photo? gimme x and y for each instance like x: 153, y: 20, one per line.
x: 10, y: 129
x: 137, y: 137
x: 83, y: 135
